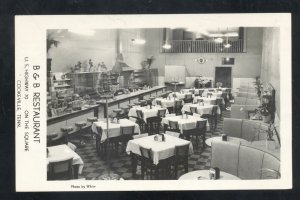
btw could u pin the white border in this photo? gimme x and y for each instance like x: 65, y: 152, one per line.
x: 30, y: 40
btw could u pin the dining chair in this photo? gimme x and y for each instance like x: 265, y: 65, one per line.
x: 193, y: 110
x: 147, y: 165
x: 154, y: 123
x: 173, y: 126
x: 178, y: 107
x: 213, y: 118
x: 140, y: 120
x: 201, y: 92
x: 199, y: 132
x: 188, y: 98
x: 219, y: 103
x: 181, y: 158
x: 101, y: 147
x: 127, y: 133
x: 60, y: 169
x: 158, y: 102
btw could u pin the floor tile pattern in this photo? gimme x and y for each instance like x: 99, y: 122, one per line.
x: 121, y: 165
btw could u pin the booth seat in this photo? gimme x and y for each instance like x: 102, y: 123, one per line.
x: 246, y: 101
x: 244, y: 161
x: 241, y: 111
x: 245, y: 129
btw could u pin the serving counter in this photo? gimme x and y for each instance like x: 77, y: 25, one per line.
x: 54, y: 124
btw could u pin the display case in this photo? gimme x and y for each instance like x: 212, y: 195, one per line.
x: 146, y: 77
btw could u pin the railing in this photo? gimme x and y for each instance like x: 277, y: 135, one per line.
x: 204, y: 46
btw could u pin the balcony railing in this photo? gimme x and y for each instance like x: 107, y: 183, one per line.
x: 204, y: 46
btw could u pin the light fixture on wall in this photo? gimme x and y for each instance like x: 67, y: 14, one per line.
x: 227, y: 44
x: 138, y: 40
x: 166, y: 44
x: 218, y: 40
x: 87, y: 32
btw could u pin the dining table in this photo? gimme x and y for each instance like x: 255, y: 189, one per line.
x: 230, y: 139
x: 179, y: 95
x: 165, y: 102
x: 204, y: 175
x: 161, y: 149
x: 113, y: 127
x: 208, y: 100
x: 61, y: 152
x: 185, y: 122
x: 201, y: 109
x: 147, y: 112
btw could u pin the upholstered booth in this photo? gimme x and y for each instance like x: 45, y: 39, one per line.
x: 244, y: 161
x: 246, y: 101
x: 241, y: 111
x: 250, y: 130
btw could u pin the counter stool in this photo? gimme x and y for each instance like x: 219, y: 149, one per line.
x: 118, y: 112
x: 92, y: 120
x: 130, y: 105
x: 143, y: 103
x: 125, y: 111
x: 80, y: 125
x: 66, y: 130
x: 137, y: 103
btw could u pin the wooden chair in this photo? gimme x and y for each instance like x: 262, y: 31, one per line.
x: 140, y: 120
x: 173, y: 126
x: 199, y: 132
x: 193, y: 110
x: 61, y: 169
x: 188, y: 98
x: 101, y: 148
x: 158, y: 102
x: 147, y: 165
x: 178, y: 107
x: 213, y: 118
x: 181, y: 158
x: 127, y: 133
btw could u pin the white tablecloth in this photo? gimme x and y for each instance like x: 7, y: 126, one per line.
x: 60, y: 152
x: 201, y: 110
x: 146, y: 111
x: 207, y: 100
x: 179, y: 95
x: 161, y: 150
x: 184, y: 123
x: 165, y: 103
x: 114, y: 128
x: 214, y: 94
x: 204, y: 175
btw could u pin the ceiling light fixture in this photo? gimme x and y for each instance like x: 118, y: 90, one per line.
x: 227, y: 45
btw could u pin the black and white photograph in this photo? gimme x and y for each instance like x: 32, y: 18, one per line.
x: 153, y: 102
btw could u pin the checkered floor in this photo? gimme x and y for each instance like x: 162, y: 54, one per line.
x: 121, y: 165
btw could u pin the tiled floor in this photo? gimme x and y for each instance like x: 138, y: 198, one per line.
x: 121, y: 165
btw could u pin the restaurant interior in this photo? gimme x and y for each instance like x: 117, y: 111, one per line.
x: 172, y: 103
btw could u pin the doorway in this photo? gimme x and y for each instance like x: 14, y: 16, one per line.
x: 223, y: 75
